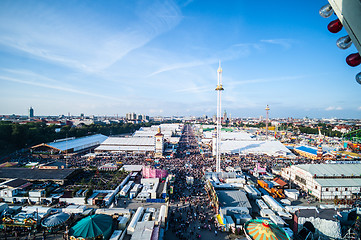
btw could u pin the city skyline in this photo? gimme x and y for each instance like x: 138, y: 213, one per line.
x: 160, y: 58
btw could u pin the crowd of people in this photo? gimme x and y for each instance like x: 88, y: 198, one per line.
x: 191, y: 215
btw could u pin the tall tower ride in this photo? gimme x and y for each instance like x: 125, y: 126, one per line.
x: 219, y: 90
x: 267, y: 109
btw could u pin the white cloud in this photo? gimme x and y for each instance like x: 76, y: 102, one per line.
x: 89, y: 46
x: 176, y: 66
x: 333, y: 108
x: 285, y: 43
x: 56, y: 87
x: 195, y: 90
x: 261, y: 80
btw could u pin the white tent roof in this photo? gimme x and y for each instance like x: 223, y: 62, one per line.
x: 126, y: 148
x: 274, y: 148
x: 332, y: 170
x: 131, y: 141
x: 114, y: 144
x: 230, y: 135
x: 79, y: 143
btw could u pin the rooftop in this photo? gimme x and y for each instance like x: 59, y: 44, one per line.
x: 256, y: 147
x: 332, y: 170
x: 340, y: 182
x: 15, y: 183
x: 307, y: 149
x: 35, y: 174
x: 230, y: 135
x: 231, y: 198
x: 320, y: 213
x: 129, y: 141
x: 127, y: 144
x: 76, y: 144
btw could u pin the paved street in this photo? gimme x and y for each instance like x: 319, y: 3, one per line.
x: 190, y: 214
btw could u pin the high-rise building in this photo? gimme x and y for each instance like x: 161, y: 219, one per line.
x: 31, y: 112
x: 131, y: 116
x: 214, y: 118
x: 143, y: 117
x: 225, y: 116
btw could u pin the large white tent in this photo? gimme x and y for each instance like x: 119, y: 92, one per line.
x: 131, y: 144
x: 272, y: 148
x: 230, y: 135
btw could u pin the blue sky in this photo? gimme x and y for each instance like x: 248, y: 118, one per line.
x: 161, y: 57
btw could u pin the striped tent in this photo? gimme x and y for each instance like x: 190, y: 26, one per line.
x: 264, y: 230
x: 55, y: 220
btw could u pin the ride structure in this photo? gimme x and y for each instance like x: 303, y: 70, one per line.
x: 267, y: 110
x: 352, y: 140
x: 319, y: 148
x: 271, y: 189
x: 219, y: 90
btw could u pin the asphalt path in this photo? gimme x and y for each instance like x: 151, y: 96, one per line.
x: 190, y: 215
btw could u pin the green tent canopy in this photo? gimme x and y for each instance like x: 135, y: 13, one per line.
x: 93, y: 226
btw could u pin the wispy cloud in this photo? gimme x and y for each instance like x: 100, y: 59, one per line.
x: 186, y: 2
x: 92, y: 47
x: 262, y: 80
x: 56, y: 87
x: 233, y: 52
x: 195, y: 89
x: 333, y: 108
x: 182, y: 65
x: 285, y: 43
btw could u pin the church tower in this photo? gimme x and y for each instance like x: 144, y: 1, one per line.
x: 159, y: 144
x: 319, y: 152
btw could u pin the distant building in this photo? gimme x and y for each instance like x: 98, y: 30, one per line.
x: 225, y: 116
x: 214, y: 118
x: 131, y: 116
x: 314, y: 153
x: 79, y: 122
x: 143, y: 117
x: 127, y: 145
x: 31, y: 112
x: 146, y: 140
x: 327, y: 181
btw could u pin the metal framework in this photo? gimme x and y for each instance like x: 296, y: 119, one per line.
x: 267, y: 109
x: 219, y: 90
